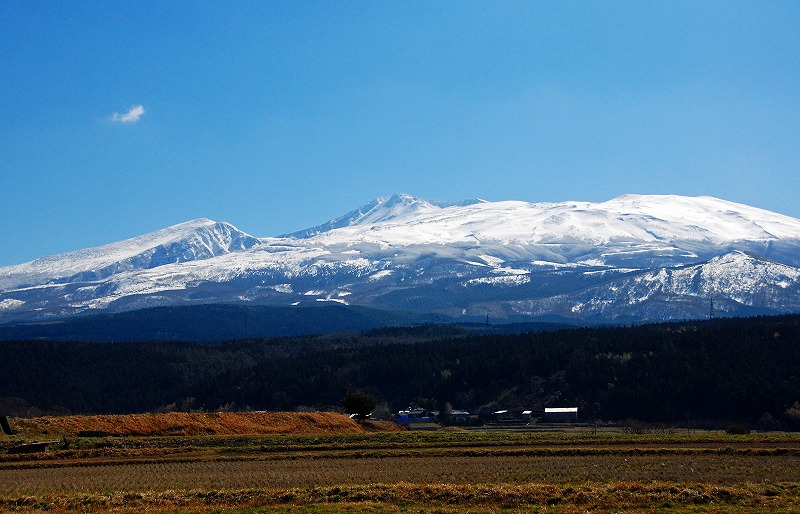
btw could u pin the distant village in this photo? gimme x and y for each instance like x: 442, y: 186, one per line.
x: 488, y: 416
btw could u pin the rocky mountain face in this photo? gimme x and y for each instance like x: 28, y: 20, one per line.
x: 632, y: 259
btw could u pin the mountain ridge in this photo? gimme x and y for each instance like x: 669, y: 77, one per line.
x: 511, y: 260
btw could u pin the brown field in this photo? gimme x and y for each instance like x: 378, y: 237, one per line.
x: 721, y: 470
x: 368, y: 471
x: 190, y: 424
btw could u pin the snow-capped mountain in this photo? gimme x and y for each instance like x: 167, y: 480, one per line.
x: 193, y: 240
x: 633, y: 258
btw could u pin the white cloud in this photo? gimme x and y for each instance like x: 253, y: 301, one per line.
x: 132, y: 116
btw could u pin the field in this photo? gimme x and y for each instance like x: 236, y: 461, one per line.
x: 198, y: 423
x: 375, y: 470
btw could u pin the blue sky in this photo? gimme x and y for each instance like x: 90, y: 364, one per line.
x: 118, y: 118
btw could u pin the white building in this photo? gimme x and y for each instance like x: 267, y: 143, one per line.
x: 561, y: 414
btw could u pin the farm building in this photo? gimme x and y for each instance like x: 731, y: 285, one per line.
x: 460, y: 417
x: 415, y: 415
x: 561, y: 414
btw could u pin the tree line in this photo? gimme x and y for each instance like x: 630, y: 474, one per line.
x: 743, y: 369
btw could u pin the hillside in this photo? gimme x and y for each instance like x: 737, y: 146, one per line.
x: 198, y: 423
x: 214, y: 323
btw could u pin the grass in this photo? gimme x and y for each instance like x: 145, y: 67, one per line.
x: 408, y: 497
x: 197, y: 423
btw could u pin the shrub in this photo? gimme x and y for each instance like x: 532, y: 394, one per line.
x: 359, y: 404
x: 793, y: 413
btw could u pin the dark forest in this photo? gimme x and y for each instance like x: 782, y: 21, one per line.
x: 745, y: 370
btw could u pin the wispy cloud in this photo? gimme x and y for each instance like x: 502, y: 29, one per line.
x: 132, y: 116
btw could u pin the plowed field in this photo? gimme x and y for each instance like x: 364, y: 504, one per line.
x: 408, y: 471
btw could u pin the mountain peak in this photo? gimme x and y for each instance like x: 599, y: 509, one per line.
x: 197, y: 222
x: 197, y: 239
x: 398, y: 198
x: 382, y: 209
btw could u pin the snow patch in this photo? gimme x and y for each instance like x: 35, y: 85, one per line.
x: 504, y: 280
x: 11, y: 303
x: 337, y: 300
x: 380, y: 274
x: 511, y: 271
x: 491, y: 260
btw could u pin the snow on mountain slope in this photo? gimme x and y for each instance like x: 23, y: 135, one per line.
x: 735, y: 276
x: 638, y: 257
x: 192, y: 240
x: 736, y: 282
x: 629, y: 218
x: 632, y: 230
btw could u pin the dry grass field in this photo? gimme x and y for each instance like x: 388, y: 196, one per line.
x: 197, y: 423
x: 365, y: 470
